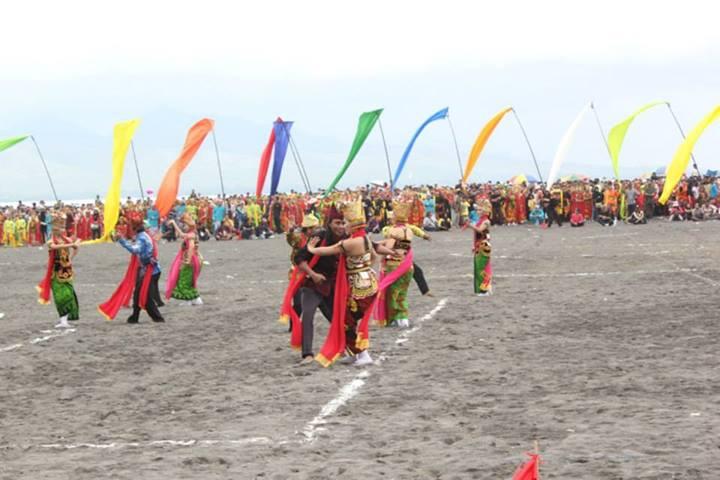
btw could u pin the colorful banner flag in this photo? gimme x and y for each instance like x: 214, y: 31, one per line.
x: 680, y: 161
x: 122, y: 136
x: 562, y: 149
x: 265, y: 162
x: 167, y: 193
x: 282, y: 138
x: 5, y: 144
x: 618, y: 132
x: 529, y: 470
x: 436, y: 116
x: 365, y: 125
x: 481, y: 140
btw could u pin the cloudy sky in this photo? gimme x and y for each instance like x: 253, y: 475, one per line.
x: 72, y: 69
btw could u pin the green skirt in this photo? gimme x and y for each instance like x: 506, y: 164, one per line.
x: 397, y: 301
x: 65, y: 299
x: 184, y: 289
x: 482, y: 272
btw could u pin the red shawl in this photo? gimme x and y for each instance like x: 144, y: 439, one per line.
x: 335, y: 342
x: 124, y: 291
x: 44, y: 287
x: 287, y: 312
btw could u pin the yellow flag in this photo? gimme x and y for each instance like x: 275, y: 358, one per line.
x: 122, y: 135
x: 680, y: 161
x: 616, y: 137
x: 481, y: 140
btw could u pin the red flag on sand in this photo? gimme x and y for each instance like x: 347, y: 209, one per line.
x: 530, y: 470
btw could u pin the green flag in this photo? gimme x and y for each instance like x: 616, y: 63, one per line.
x: 617, y: 135
x: 5, y: 144
x: 365, y: 125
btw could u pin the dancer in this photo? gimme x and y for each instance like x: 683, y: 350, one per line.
x: 141, y: 278
x: 481, y: 250
x: 185, y: 269
x: 393, y: 307
x: 59, y: 274
x: 356, y: 288
x: 297, y: 239
x: 312, y: 286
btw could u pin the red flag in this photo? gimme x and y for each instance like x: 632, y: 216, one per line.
x: 167, y: 193
x: 530, y: 470
x: 265, y: 162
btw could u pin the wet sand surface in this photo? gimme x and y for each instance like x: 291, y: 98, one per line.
x: 599, y: 343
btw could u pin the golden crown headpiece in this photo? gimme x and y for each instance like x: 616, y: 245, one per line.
x: 353, y: 212
x: 310, y: 221
x: 58, y: 221
x: 401, y: 209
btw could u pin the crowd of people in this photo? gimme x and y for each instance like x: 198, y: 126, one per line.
x: 332, y: 255
x: 434, y: 208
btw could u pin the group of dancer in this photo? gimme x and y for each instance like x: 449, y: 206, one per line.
x: 140, y: 284
x: 333, y: 271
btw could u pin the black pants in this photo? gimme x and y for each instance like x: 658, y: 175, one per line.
x: 155, y: 290
x: 311, y: 300
x: 150, y: 305
x: 419, y: 277
x: 553, y: 215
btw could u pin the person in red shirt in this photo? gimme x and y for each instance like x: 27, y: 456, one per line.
x: 577, y: 219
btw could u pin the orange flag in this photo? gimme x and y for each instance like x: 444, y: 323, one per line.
x: 481, y: 140
x: 167, y: 193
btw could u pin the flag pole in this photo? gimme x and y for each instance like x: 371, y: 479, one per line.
x: 137, y: 170
x: 46, y: 168
x: 296, y: 157
x: 527, y: 140
x: 457, y: 150
x: 217, y: 155
x: 602, y: 132
x: 387, y: 156
x: 293, y: 147
x: 677, y: 122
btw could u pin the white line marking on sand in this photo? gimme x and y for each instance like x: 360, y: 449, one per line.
x: 312, y: 428
x: 352, y: 388
x: 36, y: 340
x: 160, y: 443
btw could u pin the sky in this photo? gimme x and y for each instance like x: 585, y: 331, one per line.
x: 72, y: 69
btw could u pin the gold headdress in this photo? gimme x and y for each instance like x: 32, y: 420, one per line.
x: 401, y: 209
x: 353, y: 212
x: 58, y: 222
x: 310, y: 221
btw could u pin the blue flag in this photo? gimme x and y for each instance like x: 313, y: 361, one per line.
x: 436, y: 116
x: 282, y: 138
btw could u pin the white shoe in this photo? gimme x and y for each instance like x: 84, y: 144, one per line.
x: 63, y: 323
x: 197, y: 301
x: 363, y: 358
x: 347, y: 360
x: 403, y: 323
x: 483, y: 294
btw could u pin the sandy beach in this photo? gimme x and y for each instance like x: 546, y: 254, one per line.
x: 599, y: 343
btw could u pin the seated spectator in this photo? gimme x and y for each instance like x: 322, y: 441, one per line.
x: 373, y: 225
x: 203, y: 234
x: 444, y: 224
x: 263, y: 231
x: 676, y: 212
x: 637, y: 217
x: 605, y: 216
x: 710, y: 211
x: 246, y: 231
x: 577, y: 219
x: 429, y: 223
x: 537, y: 215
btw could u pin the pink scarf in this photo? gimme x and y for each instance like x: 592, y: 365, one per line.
x: 385, y: 281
